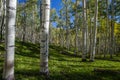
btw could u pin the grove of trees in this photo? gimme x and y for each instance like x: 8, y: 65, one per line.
x: 88, y: 28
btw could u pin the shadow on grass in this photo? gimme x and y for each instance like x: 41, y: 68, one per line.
x: 27, y: 49
x: 57, y: 48
x: 87, y: 75
x: 2, y: 48
x: 54, y: 54
x: 64, y: 51
x: 1, y: 61
x: 108, y: 75
x: 63, y: 75
x: 28, y: 74
x: 1, y: 70
x: 108, y: 59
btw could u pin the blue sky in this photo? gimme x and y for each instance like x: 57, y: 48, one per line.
x: 54, y: 3
x: 21, y: 1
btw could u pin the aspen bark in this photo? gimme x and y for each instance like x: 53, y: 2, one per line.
x: 76, y: 28
x: 84, y: 33
x: 8, y: 73
x: 1, y: 20
x: 44, y: 42
x: 112, y: 30
x: 92, y: 56
x: 67, y: 26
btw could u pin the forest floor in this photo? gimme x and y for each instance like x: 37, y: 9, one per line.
x: 61, y: 66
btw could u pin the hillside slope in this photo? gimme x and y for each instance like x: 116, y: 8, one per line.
x: 61, y: 66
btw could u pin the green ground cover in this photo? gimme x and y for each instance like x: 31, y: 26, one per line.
x: 61, y: 66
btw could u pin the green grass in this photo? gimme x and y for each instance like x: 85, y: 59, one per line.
x: 61, y: 66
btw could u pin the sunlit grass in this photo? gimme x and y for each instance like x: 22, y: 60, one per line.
x: 61, y: 66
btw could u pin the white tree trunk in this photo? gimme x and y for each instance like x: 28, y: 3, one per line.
x: 112, y: 30
x: 1, y: 8
x: 61, y: 36
x: 44, y: 43
x: 24, y: 26
x: 84, y: 31
x: 87, y: 39
x: 76, y: 28
x: 94, y: 32
x: 8, y: 73
x: 1, y: 19
x: 67, y: 27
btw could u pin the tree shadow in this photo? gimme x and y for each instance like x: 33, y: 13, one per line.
x: 21, y: 74
x: 28, y: 72
x: 64, y: 51
x: 2, y: 48
x: 108, y: 59
x: 91, y: 75
x: 1, y: 70
x: 27, y: 49
x: 64, y: 75
x: 54, y: 54
x: 67, y: 53
x: 57, y: 48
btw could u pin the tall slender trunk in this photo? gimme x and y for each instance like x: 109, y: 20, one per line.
x: 99, y: 33
x: 8, y: 73
x: 87, y: 39
x: 1, y: 27
x: 50, y: 34
x: 90, y: 30
x: 33, y: 25
x: 76, y: 28
x: 56, y: 36
x: 84, y: 51
x: 107, y: 26
x: 24, y: 27
x: 61, y: 36
x: 112, y: 30
x: 67, y: 27
x: 2, y: 32
x: 1, y: 7
x: 1, y: 20
x: 92, y: 56
x: 44, y: 42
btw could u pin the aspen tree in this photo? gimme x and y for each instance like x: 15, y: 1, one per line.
x: 84, y: 33
x: 92, y: 55
x: 44, y: 36
x: 8, y: 73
